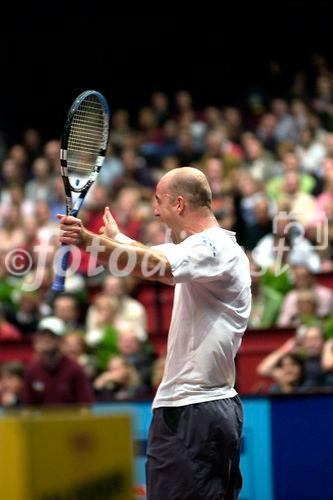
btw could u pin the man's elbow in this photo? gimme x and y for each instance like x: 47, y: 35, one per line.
x: 155, y: 268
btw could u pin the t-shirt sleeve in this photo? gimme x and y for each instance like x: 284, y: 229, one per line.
x: 199, y: 260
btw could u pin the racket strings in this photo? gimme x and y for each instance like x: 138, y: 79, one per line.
x: 86, y: 136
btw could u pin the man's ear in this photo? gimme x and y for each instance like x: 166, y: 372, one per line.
x: 180, y: 204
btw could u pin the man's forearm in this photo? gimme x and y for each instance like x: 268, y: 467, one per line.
x: 140, y: 260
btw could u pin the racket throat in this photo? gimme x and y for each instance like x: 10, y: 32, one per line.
x: 69, y: 205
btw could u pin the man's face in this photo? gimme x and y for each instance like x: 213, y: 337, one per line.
x: 302, y: 277
x: 164, y: 209
x: 47, y: 346
x: 170, y: 210
x: 65, y: 309
x: 313, y: 342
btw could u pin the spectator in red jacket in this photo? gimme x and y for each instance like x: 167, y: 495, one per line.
x: 53, y: 378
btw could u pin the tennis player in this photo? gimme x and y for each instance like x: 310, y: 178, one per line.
x: 194, y: 439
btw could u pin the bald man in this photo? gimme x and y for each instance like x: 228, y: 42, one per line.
x: 194, y: 439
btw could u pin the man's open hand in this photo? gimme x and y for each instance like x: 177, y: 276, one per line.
x: 110, y: 228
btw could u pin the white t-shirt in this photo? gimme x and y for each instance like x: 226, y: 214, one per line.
x: 211, y: 307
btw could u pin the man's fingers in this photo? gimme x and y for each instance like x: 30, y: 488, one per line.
x: 68, y: 219
x: 67, y: 240
x: 70, y: 229
x: 107, y: 215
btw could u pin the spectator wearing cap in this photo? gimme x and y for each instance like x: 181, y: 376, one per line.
x: 53, y: 378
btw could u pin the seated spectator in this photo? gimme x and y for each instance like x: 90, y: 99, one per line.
x: 308, y: 344
x: 51, y: 151
x: 53, y: 378
x: 112, y: 166
x: 47, y: 229
x: 288, y: 375
x: 301, y: 205
x: 311, y: 348
x: 250, y: 191
x: 10, y: 173
x: 306, y: 308
x: 58, y: 201
x: 169, y: 146
x: 218, y: 145
x: 139, y: 354
x: 32, y: 143
x: 260, y: 163
x: 124, y: 211
x: 15, y: 195
x: 266, y: 301
x: 266, y: 131
x: 128, y: 309
x: 11, y: 232
x: 11, y: 382
x: 290, y: 163
x: 286, y: 245
x: 25, y: 313
x: 214, y: 170
x: 75, y: 347
x: 285, y: 128
x: 40, y: 187
x: 154, y: 232
x: 187, y: 155
x: 262, y: 224
x: 135, y: 171
x: 233, y: 120
x: 167, y: 163
x: 160, y: 106
x: 120, y: 126
x: 213, y: 117
x: 66, y: 307
x: 225, y: 211
x: 299, y: 109
x: 310, y: 151
x: 120, y: 381
x: 303, y: 279
x: 101, y: 333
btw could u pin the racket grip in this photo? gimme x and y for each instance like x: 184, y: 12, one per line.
x: 58, y: 284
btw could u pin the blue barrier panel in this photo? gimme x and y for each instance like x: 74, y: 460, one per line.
x: 302, y: 441
x: 256, y: 462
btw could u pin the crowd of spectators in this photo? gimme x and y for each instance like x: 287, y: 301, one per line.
x: 270, y: 168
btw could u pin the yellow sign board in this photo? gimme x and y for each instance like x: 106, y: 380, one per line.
x: 66, y: 456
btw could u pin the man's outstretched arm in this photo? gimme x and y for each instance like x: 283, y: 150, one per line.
x: 135, y: 258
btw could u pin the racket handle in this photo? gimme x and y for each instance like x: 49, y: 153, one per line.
x: 58, y: 284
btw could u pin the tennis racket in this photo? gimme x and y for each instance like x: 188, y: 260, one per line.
x: 83, y: 147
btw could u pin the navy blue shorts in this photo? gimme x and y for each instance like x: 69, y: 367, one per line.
x: 193, y: 451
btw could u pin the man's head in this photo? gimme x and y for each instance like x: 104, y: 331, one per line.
x: 303, y: 279
x: 65, y: 307
x: 313, y: 341
x: 182, y: 195
x: 11, y: 379
x: 128, y: 341
x: 48, y: 339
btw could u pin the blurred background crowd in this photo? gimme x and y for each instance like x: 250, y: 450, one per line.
x: 270, y: 168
